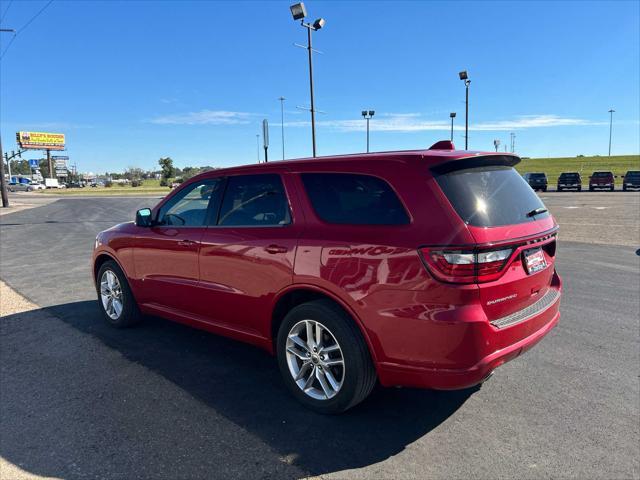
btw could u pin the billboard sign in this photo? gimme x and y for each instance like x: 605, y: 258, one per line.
x: 40, y: 140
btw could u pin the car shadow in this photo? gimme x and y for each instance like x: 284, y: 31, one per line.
x: 255, y: 399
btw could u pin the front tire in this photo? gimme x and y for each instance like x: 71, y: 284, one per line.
x: 323, y: 358
x: 115, y: 299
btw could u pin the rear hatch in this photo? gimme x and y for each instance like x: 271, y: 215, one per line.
x: 512, y: 261
x: 537, y: 179
x: 602, y: 178
x: 569, y: 179
x: 632, y: 179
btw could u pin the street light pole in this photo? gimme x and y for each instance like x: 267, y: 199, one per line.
x: 610, y: 128
x: 258, y: 145
x: 465, y: 77
x: 299, y: 13
x: 282, y: 99
x: 452, y: 115
x: 3, y: 185
x: 368, y: 115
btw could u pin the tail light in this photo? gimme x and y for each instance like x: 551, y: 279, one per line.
x: 466, y: 266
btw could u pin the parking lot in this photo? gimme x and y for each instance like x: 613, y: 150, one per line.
x: 82, y: 400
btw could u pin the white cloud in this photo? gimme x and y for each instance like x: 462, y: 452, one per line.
x: 533, y: 121
x: 205, y: 117
x: 413, y: 122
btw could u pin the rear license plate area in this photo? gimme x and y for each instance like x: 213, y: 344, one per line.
x: 534, y: 260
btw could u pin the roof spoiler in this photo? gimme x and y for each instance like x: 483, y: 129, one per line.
x: 476, y: 161
x: 443, y: 145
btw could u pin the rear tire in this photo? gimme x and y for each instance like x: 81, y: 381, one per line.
x: 355, y: 375
x: 612, y: 188
x: 544, y: 189
x: 111, y: 282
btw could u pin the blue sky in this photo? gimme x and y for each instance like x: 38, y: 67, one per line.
x: 129, y: 82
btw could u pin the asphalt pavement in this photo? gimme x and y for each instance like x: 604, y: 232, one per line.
x: 82, y: 400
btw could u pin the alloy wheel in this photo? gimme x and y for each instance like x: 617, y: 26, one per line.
x: 315, y: 359
x: 111, y: 294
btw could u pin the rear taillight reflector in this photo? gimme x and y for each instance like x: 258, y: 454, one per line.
x: 466, y: 266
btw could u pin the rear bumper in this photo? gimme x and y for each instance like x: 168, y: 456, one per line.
x: 486, y: 348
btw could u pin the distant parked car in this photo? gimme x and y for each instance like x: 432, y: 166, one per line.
x: 74, y: 185
x: 19, y: 187
x: 38, y: 186
x: 631, y: 180
x: 569, y: 181
x: 536, y: 180
x: 602, y: 180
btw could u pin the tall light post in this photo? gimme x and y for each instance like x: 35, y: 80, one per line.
x: 513, y: 142
x: 368, y: 115
x: 258, y: 146
x: 464, y: 76
x: 3, y: 185
x: 610, y: 128
x: 299, y: 12
x: 452, y: 115
x: 282, y: 99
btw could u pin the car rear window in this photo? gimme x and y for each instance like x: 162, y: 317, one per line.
x: 346, y: 198
x: 538, y: 175
x: 568, y: 176
x: 633, y: 174
x: 490, y: 196
x: 602, y: 174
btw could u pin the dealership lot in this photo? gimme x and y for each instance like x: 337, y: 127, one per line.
x: 164, y: 401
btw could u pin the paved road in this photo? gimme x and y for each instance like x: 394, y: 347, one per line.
x: 81, y: 400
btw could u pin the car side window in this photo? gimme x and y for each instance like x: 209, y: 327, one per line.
x: 255, y: 201
x: 345, y: 198
x: 188, y: 208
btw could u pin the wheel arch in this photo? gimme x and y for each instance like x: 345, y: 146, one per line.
x: 100, y: 259
x: 300, y: 294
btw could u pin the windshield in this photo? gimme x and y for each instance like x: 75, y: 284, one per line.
x: 491, y: 196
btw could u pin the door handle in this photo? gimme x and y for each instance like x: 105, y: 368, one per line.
x: 275, y: 249
x: 186, y: 243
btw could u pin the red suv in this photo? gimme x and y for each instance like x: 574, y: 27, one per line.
x: 601, y: 180
x: 422, y: 268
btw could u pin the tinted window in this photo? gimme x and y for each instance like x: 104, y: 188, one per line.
x: 354, y: 199
x: 602, y: 174
x: 538, y: 175
x: 490, y: 196
x: 633, y: 174
x: 255, y: 200
x: 569, y: 176
x: 188, y: 207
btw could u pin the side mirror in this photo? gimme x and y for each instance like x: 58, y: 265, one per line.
x: 143, y: 217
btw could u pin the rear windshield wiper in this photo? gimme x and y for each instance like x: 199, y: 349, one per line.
x: 537, y: 211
